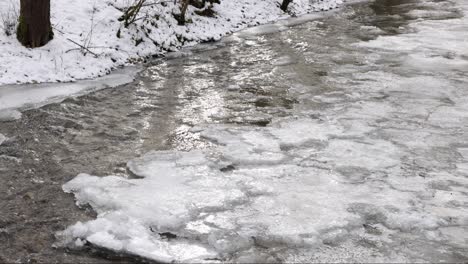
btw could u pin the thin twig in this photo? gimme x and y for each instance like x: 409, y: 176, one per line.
x: 83, y: 47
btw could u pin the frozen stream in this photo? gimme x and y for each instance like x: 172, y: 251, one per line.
x: 343, y: 139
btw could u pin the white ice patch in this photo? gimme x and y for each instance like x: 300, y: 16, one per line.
x: 243, y: 193
x: 9, y: 115
x: 14, y: 97
x: 2, y: 139
x: 283, y: 61
x: 435, y: 44
x: 418, y: 13
x: 298, y: 132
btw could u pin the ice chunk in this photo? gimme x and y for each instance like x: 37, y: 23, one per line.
x: 2, y: 139
x: 375, y: 154
x: 36, y: 95
x: 198, y: 205
x: 283, y: 61
x: 9, y: 115
x: 299, y: 131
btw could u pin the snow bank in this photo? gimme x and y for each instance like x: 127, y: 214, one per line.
x: 95, y: 23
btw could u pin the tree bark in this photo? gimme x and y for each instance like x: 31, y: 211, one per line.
x: 34, y: 28
x: 183, y: 10
x: 285, y: 4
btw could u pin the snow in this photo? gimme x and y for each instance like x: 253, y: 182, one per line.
x: 95, y: 24
x: 376, y: 167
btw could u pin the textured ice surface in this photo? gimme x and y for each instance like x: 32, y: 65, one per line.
x: 2, y: 139
x: 281, y: 185
x: 9, y: 115
x: 375, y: 169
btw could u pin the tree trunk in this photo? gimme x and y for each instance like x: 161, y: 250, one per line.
x: 285, y: 4
x: 34, y: 28
x: 183, y: 10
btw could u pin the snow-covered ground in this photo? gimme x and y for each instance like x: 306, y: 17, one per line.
x: 386, y: 161
x: 95, y: 24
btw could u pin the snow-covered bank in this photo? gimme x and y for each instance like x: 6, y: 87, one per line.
x: 94, y: 24
x: 22, y: 97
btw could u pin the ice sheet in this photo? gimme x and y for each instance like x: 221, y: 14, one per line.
x: 21, y: 97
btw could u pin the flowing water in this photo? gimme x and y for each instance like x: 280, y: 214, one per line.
x: 339, y: 139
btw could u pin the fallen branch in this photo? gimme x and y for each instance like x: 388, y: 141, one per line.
x: 82, y: 47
